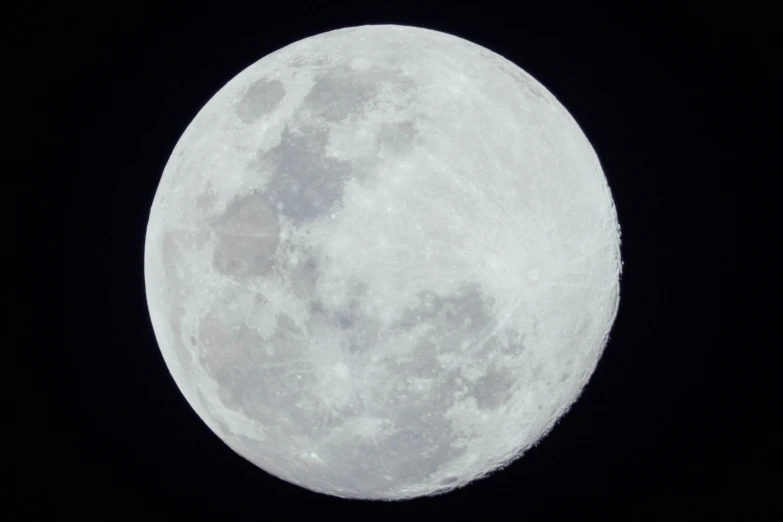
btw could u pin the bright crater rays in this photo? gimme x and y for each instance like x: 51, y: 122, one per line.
x: 382, y: 262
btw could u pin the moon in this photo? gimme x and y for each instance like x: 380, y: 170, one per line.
x: 382, y: 262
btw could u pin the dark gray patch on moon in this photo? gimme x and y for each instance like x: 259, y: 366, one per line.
x: 304, y: 276
x: 341, y: 92
x: 510, y: 343
x: 418, y: 441
x: 299, y: 62
x: 537, y: 372
x: 494, y: 388
x: 468, y: 310
x: 421, y: 426
x: 248, y: 234
x: 462, y: 316
x: 362, y: 330
x: 265, y: 379
x: 305, y: 184
x: 260, y: 99
x: 272, y: 381
x: 397, y: 137
x: 422, y: 363
x: 528, y: 87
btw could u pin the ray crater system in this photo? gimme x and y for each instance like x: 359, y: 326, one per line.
x: 382, y: 262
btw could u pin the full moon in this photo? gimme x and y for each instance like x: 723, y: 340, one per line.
x: 382, y: 262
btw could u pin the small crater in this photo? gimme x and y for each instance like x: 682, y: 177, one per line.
x: 345, y: 321
x: 514, y: 349
x: 568, y: 370
x: 193, y: 341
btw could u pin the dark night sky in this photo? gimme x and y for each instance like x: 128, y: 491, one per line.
x: 674, y: 103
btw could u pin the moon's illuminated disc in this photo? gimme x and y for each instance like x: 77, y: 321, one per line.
x: 382, y: 262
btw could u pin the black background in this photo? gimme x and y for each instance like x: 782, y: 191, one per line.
x: 675, y: 101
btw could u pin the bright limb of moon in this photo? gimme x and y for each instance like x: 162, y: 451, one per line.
x: 382, y: 262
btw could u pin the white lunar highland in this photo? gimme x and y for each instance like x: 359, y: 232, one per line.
x: 382, y: 262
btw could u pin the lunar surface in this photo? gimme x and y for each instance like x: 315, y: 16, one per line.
x: 382, y: 262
